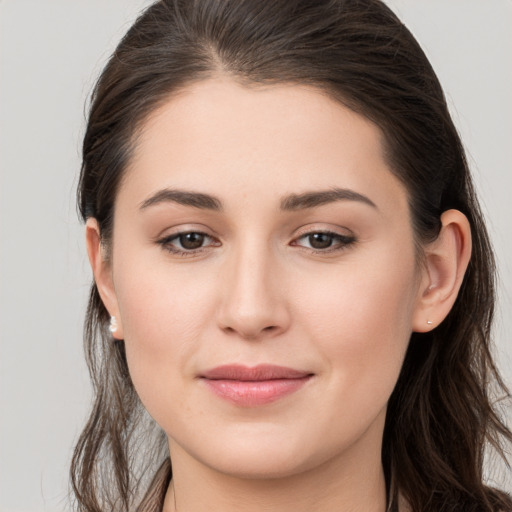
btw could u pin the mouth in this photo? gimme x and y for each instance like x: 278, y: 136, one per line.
x: 252, y: 386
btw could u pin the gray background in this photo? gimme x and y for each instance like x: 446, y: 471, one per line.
x: 50, y: 53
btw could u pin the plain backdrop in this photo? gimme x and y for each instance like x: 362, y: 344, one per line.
x: 51, y: 51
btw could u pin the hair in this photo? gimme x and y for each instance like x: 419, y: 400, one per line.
x: 443, y: 413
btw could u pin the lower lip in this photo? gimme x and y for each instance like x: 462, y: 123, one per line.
x: 253, y: 393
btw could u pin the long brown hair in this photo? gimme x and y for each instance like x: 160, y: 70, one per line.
x: 441, y: 417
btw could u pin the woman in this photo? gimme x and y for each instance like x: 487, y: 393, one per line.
x: 292, y: 274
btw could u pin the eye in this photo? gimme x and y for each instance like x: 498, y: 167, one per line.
x: 324, y: 241
x: 187, y: 243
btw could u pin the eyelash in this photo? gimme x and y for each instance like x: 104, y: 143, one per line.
x: 344, y: 242
x: 166, y: 243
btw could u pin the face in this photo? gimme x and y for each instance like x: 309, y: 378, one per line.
x: 264, y: 277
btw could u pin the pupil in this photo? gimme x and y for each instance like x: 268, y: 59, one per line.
x: 191, y: 240
x: 320, y: 240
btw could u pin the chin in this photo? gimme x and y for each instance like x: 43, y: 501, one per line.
x: 261, y: 453
x: 260, y: 464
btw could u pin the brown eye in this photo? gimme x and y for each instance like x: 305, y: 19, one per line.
x: 320, y: 240
x: 324, y: 241
x: 191, y: 241
x: 187, y: 243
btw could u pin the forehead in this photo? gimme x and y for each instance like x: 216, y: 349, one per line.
x: 219, y: 135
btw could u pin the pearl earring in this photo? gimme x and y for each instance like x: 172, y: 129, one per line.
x: 429, y: 322
x: 113, y: 325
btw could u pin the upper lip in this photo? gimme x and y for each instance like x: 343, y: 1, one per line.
x: 254, y: 373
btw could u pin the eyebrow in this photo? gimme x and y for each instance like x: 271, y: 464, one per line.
x: 183, y: 197
x: 292, y: 202
x: 313, y: 199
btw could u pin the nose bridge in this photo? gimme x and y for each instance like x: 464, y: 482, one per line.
x: 252, y: 304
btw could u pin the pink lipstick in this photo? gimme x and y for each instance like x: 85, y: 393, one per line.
x: 252, y: 386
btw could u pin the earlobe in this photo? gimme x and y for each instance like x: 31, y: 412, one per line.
x: 446, y: 261
x: 102, y: 273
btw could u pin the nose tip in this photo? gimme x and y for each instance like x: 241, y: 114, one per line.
x: 251, y: 330
x: 253, y: 304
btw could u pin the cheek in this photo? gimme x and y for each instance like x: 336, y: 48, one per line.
x: 160, y: 301
x: 164, y: 319
x: 361, y: 321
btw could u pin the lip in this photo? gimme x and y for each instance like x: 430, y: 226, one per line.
x: 252, y: 386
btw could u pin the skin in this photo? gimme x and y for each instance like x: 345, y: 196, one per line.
x: 258, y: 292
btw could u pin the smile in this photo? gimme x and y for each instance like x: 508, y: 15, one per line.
x: 249, y: 387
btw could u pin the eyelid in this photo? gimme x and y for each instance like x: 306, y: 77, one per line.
x: 165, y: 242
x: 180, y: 228
x: 341, y: 241
x: 334, y: 230
x: 344, y: 240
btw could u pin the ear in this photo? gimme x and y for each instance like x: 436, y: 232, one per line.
x: 446, y: 261
x: 102, y: 271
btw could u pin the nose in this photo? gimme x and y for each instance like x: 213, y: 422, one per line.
x: 253, y: 299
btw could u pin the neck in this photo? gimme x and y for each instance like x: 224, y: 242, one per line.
x: 351, y: 482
